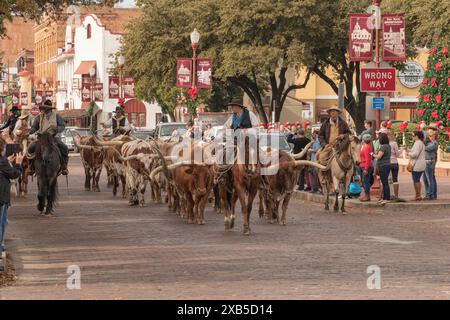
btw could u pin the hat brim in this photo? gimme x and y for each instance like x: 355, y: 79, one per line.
x: 235, y: 105
x: 334, y: 109
x: 24, y: 116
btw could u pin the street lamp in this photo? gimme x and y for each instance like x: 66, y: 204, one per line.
x: 195, y: 38
x: 92, y: 75
x: 121, y: 64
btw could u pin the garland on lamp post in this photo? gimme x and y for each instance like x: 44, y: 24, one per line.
x: 192, y: 99
x: 434, y: 98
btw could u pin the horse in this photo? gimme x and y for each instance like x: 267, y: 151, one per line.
x: 47, y: 165
x: 22, y: 137
x: 343, y: 163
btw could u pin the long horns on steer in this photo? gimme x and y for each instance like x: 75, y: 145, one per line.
x: 297, y: 163
x: 173, y: 167
x: 301, y: 154
x: 108, y: 143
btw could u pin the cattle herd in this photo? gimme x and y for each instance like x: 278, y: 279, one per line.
x: 188, y: 174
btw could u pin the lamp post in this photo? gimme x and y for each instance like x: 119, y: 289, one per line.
x: 92, y: 78
x: 195, y: 38
x: 377, y: 4
x: 121, y: 63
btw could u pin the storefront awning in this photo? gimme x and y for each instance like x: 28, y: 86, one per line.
x: 85, y: 66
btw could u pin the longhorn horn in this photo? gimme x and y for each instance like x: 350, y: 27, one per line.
x: 312, y: 164
x: 155, y: 172
x: 108, y: 143
x: 302, y: 154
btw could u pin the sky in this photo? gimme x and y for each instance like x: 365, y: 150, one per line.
x: 126, y: 4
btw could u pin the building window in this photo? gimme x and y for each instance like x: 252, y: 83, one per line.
x: 88, y: 31
x: 142, y: 120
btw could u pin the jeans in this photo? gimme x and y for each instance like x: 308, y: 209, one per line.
x: 313, y: 180
x: 394, y: 172
x: 3, y: 223
x: 429, y: 180
x: 384, y: 175
x: 367, y: 179
x: 301, y: 180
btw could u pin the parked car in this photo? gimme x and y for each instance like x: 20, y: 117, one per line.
x: 163, y: 131
x: 143, y: 134
x: 67, y: 136
x: 266, y: 140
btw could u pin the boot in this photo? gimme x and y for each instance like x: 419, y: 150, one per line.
x: 364, y: 198
x: 417, y: 188
x: 64, y: 170
x: 396, y: 185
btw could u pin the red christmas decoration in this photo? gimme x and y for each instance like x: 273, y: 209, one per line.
x: 438, y: 99
x: 403, y: 126
x: 433, y: 82
x: 426, y: 98
x: 421, y: 112
x: 439, y: 66
x: 448, y: 81
x: 444, y: 51
x: 388, y: 124
x: 435, y: 114
x: 448, y: 115
x: 419, y: 97
x: 193, y: 92
x: 439, y: 123
x: 121, y: 101
x: 432, y: 51
x: 425, y: 81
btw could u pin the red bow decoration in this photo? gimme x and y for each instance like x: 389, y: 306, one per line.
x: 425, y: 81
x: 121, y: 101
x: 193, y: 92
x: 448, y: 115
x: 426, y: 98
x: 438, y: 99
x: 403, y: 126
x: 432, y: 51
x: 439, y: 66
x: 439, y: 123
x: 435, y: 114
x: 388, y: 124
x: 433, y: 82
x: 445, y: 51
x: 421, y: 113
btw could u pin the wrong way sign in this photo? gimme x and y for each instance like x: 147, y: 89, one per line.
x: 377, y: 79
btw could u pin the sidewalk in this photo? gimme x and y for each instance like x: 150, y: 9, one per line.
x: 406, y: 192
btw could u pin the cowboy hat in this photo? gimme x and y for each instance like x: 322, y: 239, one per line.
x: 334, y: 108
x: 24, y: 116
x: 235, y: 102
x: 48, y: 104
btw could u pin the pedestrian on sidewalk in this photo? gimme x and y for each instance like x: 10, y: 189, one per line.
x: 383, y: 157
x: 366, y: 166
x: 300, y: 142
x: 417, y: 158
x: 431, y: 150
x: 395, y: 153
x: 312, y: 171
x: 7, y: 173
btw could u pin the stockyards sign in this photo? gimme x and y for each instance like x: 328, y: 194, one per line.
x: 360, y: 37
x: 184, y: 73
x: 412, y: 75
x: 204, y: 73
x: 394, y: 38
x: 377, y: 79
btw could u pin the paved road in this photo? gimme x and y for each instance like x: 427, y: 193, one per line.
x: 150, y: 253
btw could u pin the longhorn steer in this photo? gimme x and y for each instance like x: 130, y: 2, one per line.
x: 92, y: 156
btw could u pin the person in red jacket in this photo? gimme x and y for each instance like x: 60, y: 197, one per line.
x: 366, y: 166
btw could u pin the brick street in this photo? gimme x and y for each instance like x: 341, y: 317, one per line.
x: 149, y: 253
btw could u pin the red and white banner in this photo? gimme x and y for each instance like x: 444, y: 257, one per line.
x: 377, y: 79
x: 24, y: 98
x: 204, y: 73
x: 98, y: 92
x: 128, y: 87
x: 85, y: 92
x: 360, y: 37
x: 49, y: 95
x: 38, y: 97
x: 184, y: 72
x: 394, y: 37
x: 15, y: 99
x: 114, y: 87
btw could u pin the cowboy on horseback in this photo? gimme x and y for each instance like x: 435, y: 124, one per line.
x: 118, y: 122
x: 53, y: 123
x: 333, y: 128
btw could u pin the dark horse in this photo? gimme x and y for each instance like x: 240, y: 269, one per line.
x: 47, y: 166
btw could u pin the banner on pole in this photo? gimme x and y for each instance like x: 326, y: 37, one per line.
x: 128, y: 87
x: 184, y: 72
x: 98, y: 92
x: 394, y: 37
x: 38, y: 97
x: 114, y: 86
x: 85, y: 92
x: 204, y: 73
x: 24, y: 98
x: 15, y: 99
x: 360, y: 37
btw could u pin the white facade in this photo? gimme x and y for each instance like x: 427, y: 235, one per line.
x: 99, y: 47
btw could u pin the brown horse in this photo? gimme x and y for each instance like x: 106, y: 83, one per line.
x: 343, y: 163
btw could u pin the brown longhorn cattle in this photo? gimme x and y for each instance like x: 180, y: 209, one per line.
x: 92, y: 156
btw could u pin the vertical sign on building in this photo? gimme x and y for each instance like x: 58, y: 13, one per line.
x: 38, y: 97
x: 204, y: 73
x: 98, y: 92
x: 15, y: 99
x: 114, y: 83
x: 24, y: 99
x: 128, y: 87
x: 184, y: 73
x: 394, y: 37
x: 360, y: 37
x: 85, y: 92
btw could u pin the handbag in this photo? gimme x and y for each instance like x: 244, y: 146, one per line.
x: 411, y: 164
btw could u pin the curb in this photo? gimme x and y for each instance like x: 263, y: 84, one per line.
x: 353, y: 203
